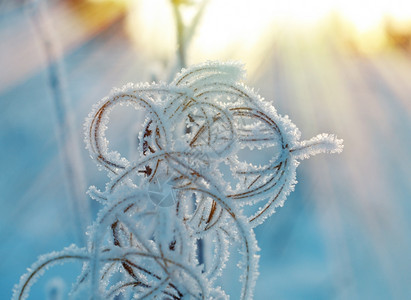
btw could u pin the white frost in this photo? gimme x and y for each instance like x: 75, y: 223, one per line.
x: 190, y: 157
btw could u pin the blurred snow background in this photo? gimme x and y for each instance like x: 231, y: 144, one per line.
x: 345, y: 231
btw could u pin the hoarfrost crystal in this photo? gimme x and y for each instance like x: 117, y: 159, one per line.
x: 210, y: 195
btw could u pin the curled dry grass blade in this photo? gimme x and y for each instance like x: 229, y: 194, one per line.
x: 205, y: 117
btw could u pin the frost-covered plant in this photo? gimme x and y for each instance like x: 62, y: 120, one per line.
x: 195, y: 134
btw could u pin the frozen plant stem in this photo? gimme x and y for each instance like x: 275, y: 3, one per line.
x: 184, y: 37
x: 154, y: 247
x: 68, y: 142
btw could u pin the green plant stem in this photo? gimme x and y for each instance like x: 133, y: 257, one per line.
x: 181, y: 43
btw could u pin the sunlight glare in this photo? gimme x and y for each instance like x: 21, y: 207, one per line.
x: 234, y: 29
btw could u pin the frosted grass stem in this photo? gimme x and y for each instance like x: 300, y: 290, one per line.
x: 66, y: 132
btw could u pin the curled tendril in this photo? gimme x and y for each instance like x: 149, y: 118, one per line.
x: 204, y: 119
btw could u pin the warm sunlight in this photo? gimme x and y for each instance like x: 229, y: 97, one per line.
x: 233, y: 28
x: 144, y: 157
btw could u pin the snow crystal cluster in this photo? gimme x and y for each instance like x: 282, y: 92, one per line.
x: 170, y: 217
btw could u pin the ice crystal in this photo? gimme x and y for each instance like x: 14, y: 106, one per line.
x: 189, y: 189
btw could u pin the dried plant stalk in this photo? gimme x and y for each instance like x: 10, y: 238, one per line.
x: 203, y: 119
